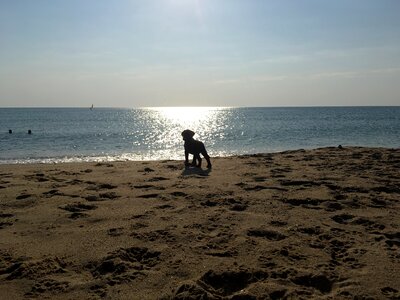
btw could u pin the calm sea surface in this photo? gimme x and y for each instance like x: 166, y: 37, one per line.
x: 104, y: 134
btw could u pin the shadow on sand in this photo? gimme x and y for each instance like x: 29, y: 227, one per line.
x: 196, y: 171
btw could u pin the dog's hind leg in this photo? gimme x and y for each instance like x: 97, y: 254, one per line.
x: 193, y: 164
x: 207, y: 157
x: 198, y: 158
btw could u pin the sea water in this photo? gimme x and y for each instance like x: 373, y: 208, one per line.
x: 109, y: 134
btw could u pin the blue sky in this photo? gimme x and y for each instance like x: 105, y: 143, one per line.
x: 132, y: 53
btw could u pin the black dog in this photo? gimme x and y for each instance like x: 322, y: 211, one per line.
x: 196, y: 148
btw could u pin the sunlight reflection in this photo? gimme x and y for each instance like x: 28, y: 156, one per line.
x: 187, y: 116
x: 165, y: 125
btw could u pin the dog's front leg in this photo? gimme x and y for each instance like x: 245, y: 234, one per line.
x: 186, y: 158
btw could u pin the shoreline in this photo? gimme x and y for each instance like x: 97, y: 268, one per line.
x: 298, y: 223
x: 117, y: 158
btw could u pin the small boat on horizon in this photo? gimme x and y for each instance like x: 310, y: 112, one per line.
x: 91, y: 108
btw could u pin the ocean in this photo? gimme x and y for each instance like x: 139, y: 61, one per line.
x: 110, y: 134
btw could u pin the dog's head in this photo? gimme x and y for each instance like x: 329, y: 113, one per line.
x: 187, y: 134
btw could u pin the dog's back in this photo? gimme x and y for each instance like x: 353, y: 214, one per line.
x: 194, y: 147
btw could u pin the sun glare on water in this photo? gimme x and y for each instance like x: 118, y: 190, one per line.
x: 186, y: 116
x: 208, y: 123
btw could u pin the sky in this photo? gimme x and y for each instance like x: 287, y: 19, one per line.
x: 150, y: 53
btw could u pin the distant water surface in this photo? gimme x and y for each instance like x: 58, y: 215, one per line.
x: 106, y: 134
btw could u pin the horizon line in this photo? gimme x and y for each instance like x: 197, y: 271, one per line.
x: 192, y: 106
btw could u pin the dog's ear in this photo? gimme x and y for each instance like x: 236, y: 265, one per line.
x: 188, y: 133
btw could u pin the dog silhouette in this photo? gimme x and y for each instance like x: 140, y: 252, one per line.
x: 196, y: 148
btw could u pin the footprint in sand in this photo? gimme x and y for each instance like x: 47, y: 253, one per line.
x: 342, y: 218
x: 174, y: 168
x: 109, y: 195
x: 389, y: 189
x: 52, y: 193
x: 289, y: 253
x: 390, y: 292
x: 393, y: 239
x: 102, y: 186
x: 332, y: 206
x: 178, y: 194
x: 228, y: 282
x: 48, y: 286
x: 233, y: 204
x: 306, y: 203
x: 268, y: 234
x: 149, y: 186
x: 310, y: 230
x: 25, y: 268
x: 238, y: 207
x: 4, y: 215
x: 78, y: 209
x: 378, y: 203
x: 6, y: 222
x: 92, y: 198
x: 108, y: 165
x: 102, y: 197
x: 148, y: 196
x: 260, y: 178
x: 41, y: 177
x: 122, y: 266
x: 165, y: 206
x: 255, y: 188
x: 139, y: 225
x: 370, y: 225
x: 342, y: 253
x: 100, y: 289
x: 155, y: 179
x: 143, y: 186
x: 317, y: 281
x: 23, y: 196
x: 6, y: 175
x: 278, y: 223
x: 115, y: 231
x: 302, y: 183
x: 75, y: 182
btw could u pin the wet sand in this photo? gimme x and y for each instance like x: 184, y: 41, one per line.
x: 320, y: 223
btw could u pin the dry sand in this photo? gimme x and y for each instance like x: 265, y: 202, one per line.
x: 320, y: 223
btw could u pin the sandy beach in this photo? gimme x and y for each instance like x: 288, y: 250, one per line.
x: 302, y: 224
